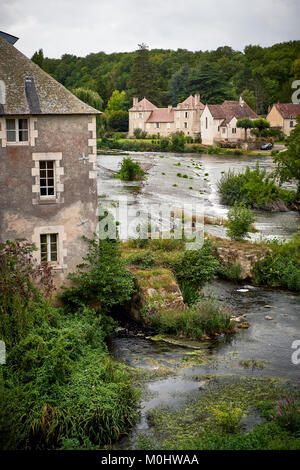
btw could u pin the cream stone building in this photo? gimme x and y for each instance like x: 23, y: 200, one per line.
x: 219, y: 122
x: 184, y: 117
x: 48, y: 185
x: 283, y: 116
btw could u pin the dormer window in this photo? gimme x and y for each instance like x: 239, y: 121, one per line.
x: 16, y: 130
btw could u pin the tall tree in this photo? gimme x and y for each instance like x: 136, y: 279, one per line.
x: 178, y: 89
x: 208, y: 80
x: 143, y: 80
x: 38, y: 58
x: 117, y: 102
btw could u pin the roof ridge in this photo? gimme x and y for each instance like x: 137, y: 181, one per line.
x: 48, y: 95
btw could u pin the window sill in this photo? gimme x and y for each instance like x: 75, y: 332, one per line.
x: 16, y: 144
x: 47, y: 201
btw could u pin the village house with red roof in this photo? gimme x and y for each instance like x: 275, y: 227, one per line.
x: 283, y: 116
x: 218, y: 122
x: 184, y: 117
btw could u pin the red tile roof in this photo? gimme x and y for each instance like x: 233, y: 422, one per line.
x: 161, y: 115
x: 230, y: 109
x: 189, y: 103
x: 143, y: 105
x: 288, y: 109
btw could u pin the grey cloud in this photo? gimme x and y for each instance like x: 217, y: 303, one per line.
x: 79, y: 27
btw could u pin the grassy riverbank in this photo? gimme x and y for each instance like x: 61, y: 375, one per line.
x: 59, y: 388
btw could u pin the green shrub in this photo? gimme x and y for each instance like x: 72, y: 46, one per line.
x: 253, y: 187
x: 102, y: 278
x: 196, y: 267
x: 177, y: 142
x: 164, y: 144
x: 231, y: 271
x: 130, y: 170
x: 139, y: 133
x: 240, y: 219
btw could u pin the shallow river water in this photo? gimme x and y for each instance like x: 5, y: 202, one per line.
x: 263, y: 350
x: 203, y: 172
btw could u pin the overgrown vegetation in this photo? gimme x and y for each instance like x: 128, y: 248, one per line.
x: 240, y: 220
x: 60, y: 388
x: 254, y: 188
x: 130, y: 170
x: 206, y: 318
x: 216, y: 420
x: 281, y: 266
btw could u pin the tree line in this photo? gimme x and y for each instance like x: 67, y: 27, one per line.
x: 263, y: 74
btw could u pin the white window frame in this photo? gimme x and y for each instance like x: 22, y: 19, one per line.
x: 158, y: 125
x: 206, y: 123
x: 168, y: 125
x: 17, y: 130
x: 49, y: 248
x: 186, y: 125
x: 234, y: 130
x: 140, y: 115
x: 186, y: 114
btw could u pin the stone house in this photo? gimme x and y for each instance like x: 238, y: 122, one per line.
x: 48, y: 186
x: 185, y: 117
x: 283, y: 116
x: 218, y: 122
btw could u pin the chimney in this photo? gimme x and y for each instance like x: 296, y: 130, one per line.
x: 197, y: 99
x: 135, y: 101
x: 242, y: 102
x: 169, y: 108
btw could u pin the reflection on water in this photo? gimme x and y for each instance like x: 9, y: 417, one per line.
x: 267, y: 340
x: 198, y: 187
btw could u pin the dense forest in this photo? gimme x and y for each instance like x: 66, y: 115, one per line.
x: 263, y: 75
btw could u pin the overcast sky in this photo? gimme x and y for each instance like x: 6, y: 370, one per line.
x: 83, y: 26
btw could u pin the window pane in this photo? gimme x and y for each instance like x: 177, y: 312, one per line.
x: 53, y: 256
x: 42, y: 165
x: 23, y: 136
x: 23, y: 124
x: 11, y: 136
x: 10, y: 124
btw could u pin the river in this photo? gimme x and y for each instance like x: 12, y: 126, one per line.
x: 180, y: 376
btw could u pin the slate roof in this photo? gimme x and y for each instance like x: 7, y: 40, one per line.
x: 143, y: 105
x: 288, y: 109
x: 161, y: 115
x: 30, y: 90
x: 230, y: 109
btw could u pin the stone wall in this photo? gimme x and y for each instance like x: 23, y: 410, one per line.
x: 24, y: 214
